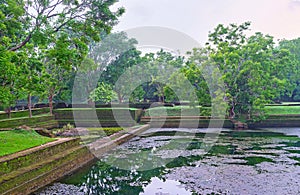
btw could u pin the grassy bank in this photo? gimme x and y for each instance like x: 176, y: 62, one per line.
x: 178, y: 111
x: 206, y: 111
x: 18, y: 140
x: 282, y: 110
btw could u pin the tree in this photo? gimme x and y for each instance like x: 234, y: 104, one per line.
x: 58, y: 30
x: 110, y: 48
x: 106, y: 61
x: 253, y: 70
x: 293, y: 92
x: 192, y: 74
x: 31, y: 78
x: 8, y: 79
x: 158, y: 68
x: 11, y: 13
x: 42, y: 20
x: 103, y: 93
x: 60, y: 61
x: 117, y: 68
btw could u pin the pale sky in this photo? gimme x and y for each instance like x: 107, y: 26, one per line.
x: 279, y: 18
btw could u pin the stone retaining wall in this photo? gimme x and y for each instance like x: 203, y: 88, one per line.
x: 47, y: 122
x: 105, y: 117
x: 30, y: 170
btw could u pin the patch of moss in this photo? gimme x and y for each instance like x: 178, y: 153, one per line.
x: 183, y: 161
x: 107, y: 130
x: 254, y: 160
x: 217, y: 149
x: 295, y: 158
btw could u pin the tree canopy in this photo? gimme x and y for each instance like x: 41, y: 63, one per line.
x: 253, y: 69
x: 55, y: 33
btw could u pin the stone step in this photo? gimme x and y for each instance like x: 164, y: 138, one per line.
x: 26, y: 180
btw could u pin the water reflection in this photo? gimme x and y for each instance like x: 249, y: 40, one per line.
x: 159, y: 186
x: 250, y: 162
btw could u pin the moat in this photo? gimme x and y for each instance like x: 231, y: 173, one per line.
x: 185, y: 161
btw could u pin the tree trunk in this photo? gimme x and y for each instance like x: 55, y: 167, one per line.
x: 120, y: 98
x: 8, y: 111
x: 50, y: 99
x: 232, y: 113
x: 29, y: 106
x: 91, y: 102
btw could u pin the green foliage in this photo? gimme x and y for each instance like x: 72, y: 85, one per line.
x: 103, y: 93
x: 137, y: 95
x: 153, y: 71
x: 67, y: 127
x: 110, y: 57
x: 43, y: 42
x: 253, y: 70
x: 292, y: 93
x: 194, y: 75
x: 117, y: 68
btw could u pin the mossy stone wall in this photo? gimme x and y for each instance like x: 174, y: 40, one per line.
x: 25, y: 113
x: 105, y: 116
x: 36, y: 122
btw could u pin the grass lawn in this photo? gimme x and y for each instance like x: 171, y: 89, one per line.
x: 79, y: 109
x: 205, y: 111
x: 282, y: 110
x: 18, y: 140
x: 178, y: 111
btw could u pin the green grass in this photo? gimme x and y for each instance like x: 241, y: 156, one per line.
x: 178, y: 111
x: 72, y: 109
x: 18, y: 140
x: 282, y: 110
x: 205, y: 111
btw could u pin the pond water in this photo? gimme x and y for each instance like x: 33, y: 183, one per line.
x: 182, y: 161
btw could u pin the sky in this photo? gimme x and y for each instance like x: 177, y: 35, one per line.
x: 195, y: 18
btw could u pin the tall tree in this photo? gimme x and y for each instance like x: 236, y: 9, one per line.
x: 118, y: 67
x: 60, y: 30
x: 106, y: 61
x: 253, y: 70
x: 43, y: 19
x: 293, y: 92
x: 60, y: 61
x: 31, y: 79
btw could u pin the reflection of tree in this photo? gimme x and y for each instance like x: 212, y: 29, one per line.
x: 106, y: 179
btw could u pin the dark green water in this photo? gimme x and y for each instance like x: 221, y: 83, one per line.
x: 177, y: 161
